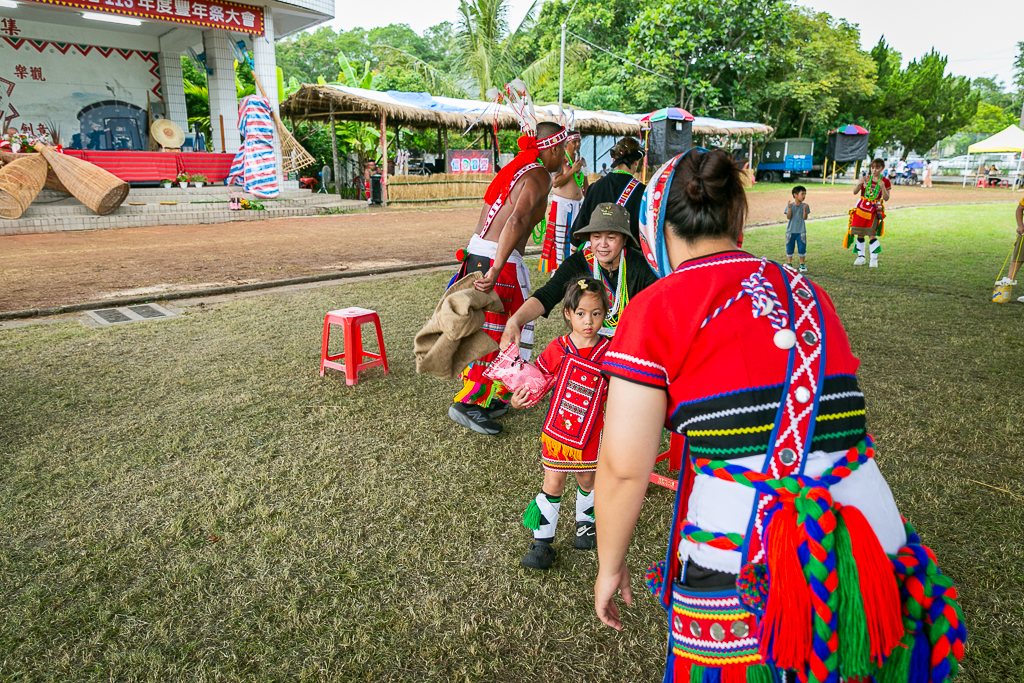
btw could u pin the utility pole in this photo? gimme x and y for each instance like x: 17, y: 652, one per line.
x: 561, y: 62
x: 561, y: 69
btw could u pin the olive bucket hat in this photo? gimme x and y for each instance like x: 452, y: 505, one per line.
x: 608, y: 217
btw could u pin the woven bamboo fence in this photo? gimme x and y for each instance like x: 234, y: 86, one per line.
x: 440, y: 187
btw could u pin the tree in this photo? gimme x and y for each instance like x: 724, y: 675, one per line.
x: 989, y: 120
x: 593, y: 79
x: 996, y: 110
x: 309, y: 55
x: 486, y: 53
x: 817, y: 69
x: 917, y: 106
x: 704, y: 44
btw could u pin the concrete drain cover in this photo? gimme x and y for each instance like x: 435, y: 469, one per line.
x: 128, y: 314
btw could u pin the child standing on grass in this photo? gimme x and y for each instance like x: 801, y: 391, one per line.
x: 572, y: 429
x: 796, y: 232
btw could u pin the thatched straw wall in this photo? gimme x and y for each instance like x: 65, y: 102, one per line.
x: 441, y: 187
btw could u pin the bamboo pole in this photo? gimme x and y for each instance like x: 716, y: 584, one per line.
x: 334, y: 155
x: 384, y: 159
x: 824, y: 172
x: 223, y: 145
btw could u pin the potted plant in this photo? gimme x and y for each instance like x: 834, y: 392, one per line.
x: 183, y: 179
x: 167, y: 182
x: 199, y: 179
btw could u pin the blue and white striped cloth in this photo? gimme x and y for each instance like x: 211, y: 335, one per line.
x: 254, y: 167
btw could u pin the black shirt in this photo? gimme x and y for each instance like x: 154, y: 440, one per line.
x: 638, y: 276
x: 609, y: 189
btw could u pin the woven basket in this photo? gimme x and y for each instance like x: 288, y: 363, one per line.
x: 51, y: 178
x: 20, y: 182
x: 100, y: 190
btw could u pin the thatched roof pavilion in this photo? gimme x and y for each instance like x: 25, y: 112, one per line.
x: 421, y: 110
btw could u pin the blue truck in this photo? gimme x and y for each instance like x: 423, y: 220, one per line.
x: 785, y: 159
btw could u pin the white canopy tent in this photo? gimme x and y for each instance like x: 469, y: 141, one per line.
x: 1011, y: 139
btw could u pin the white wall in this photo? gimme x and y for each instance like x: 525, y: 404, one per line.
x: 75, y: 76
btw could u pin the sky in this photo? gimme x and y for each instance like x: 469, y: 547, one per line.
x: 980, y: 38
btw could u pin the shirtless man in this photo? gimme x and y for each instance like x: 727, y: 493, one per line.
x: 569, y: 185
x: 514, y: 203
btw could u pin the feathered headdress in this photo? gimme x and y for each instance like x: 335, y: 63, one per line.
x: 517, y: 97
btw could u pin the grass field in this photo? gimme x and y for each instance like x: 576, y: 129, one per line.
x: 188, y: 500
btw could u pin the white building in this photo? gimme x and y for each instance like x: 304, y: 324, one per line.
x: 94, y: 68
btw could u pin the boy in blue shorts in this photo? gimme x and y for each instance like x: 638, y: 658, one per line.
x: 796, y: 232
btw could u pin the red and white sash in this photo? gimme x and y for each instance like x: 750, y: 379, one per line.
x: 627, y: 191
x: 496, y: 206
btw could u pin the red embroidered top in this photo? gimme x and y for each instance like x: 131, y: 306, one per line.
x: 725, y: 380
x: 577, y: 405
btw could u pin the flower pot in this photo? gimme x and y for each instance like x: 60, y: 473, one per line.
x: 199, y: 183
x: 167, y: 186
x: 183, y: 184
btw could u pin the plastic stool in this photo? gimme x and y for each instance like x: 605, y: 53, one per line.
x: 674, y: 455
x: 351, y: 320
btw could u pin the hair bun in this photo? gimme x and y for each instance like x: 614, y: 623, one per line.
x: 695, y: 190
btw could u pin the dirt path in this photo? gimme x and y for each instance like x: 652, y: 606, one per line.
x: 51, y: 269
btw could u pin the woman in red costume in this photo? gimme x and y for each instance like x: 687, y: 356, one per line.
x: 787, y: 550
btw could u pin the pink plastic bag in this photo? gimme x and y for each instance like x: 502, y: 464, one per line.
x: 512, y: 371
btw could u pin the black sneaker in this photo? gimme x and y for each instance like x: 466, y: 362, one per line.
x: 541, y: 556
x: 497, y: 409
x: 474, y: 417
x: 586, y: 536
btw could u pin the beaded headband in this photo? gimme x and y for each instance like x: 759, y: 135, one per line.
x: 574, y: 136
x: 552, y: 140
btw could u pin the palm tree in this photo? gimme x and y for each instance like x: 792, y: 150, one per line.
x: 486, y: 52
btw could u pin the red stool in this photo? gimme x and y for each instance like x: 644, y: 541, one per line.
x: 674, y: 455
x: 351, y: 320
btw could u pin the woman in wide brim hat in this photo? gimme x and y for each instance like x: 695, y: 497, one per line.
x: 611, y: 255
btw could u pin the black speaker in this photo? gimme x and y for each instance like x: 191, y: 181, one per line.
x: 667, y: 139
x: 375, y: 188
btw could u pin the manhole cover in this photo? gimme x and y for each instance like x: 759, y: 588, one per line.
x: 112, y: 315
x: 148, y: 311
x: 128, y: 314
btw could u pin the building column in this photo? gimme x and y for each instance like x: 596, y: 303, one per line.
x: 266, y: 71
x: 223, y: 95
x: 172, y: 86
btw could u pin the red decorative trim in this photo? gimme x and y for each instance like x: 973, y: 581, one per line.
x: 135, y: 8
x: 84, y: 50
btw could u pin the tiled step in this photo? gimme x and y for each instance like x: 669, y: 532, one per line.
x: 193, y: 214
x: 72, y: 207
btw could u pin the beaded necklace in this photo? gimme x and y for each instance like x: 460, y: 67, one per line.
x: 619, y: 298
x: 872, y: 190
x: 577, y: 176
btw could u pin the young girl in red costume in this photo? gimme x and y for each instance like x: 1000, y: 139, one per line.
x: 572, y: 429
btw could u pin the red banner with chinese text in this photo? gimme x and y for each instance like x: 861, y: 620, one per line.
x: 204, y: 13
